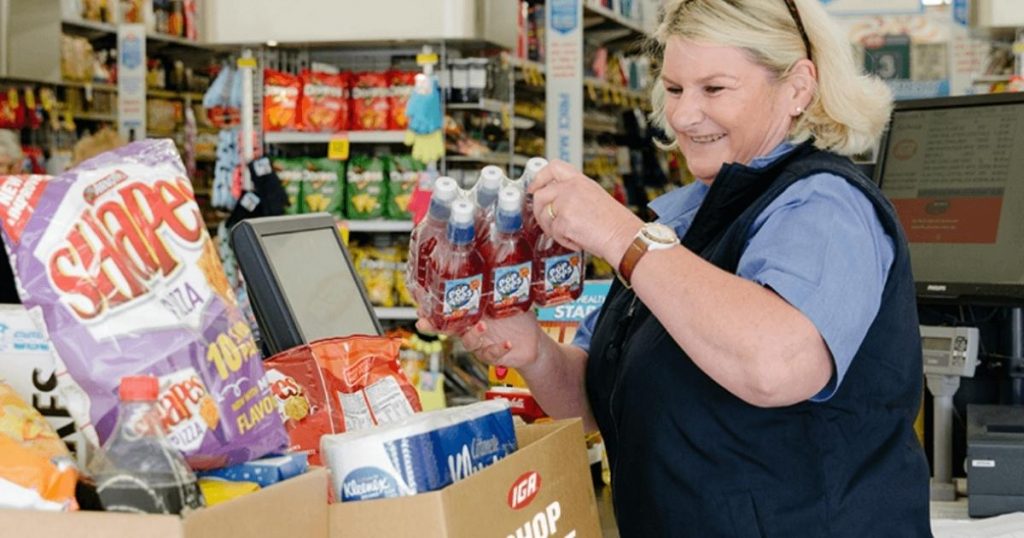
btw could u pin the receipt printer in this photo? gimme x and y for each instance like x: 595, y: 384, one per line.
x: 995, y: 459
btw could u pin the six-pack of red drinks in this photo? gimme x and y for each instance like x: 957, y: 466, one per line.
x: 481, y: 253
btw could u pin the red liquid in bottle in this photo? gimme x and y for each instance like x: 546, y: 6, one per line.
x: 425, y: 236
x: 557, y: 273
x: 457, y: 274
x: 509, y: 257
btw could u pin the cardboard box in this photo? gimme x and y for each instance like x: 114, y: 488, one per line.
x: 544, y: 490
x: 293, y: 508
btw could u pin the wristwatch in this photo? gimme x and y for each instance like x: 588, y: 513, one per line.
x: 652, y: 236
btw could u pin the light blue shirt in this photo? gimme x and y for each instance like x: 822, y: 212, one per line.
x: 819, y: 245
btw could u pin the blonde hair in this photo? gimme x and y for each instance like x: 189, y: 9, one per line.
x: 849, y: 110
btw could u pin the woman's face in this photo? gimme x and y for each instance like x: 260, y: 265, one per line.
x: 723, y: 107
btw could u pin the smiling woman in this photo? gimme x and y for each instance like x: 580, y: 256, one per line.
x: 756, y: 369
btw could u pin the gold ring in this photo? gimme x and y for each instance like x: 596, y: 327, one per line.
x: 551, y: 211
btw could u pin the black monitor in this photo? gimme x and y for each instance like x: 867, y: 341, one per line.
x: 953, y: 168
x: 300, y: 280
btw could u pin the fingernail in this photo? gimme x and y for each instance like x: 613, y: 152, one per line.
x: 481, y: 327
x: 508, y: 345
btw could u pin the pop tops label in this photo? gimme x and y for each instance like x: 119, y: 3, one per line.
x: 116, y: 257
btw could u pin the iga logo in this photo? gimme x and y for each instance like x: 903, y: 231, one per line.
x: 524, y: 490
x: 509, y: 283
x: 459, y: 296
x: 561, y: 272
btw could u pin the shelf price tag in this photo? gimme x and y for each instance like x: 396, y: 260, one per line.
x: 426, y: 59
x: 247, y: 63
x: 337, y: 149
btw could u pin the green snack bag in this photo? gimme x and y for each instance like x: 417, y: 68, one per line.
x: 404, y: 176
x: 366, y: 190
x: 323, y: 191
x: 292, y: 173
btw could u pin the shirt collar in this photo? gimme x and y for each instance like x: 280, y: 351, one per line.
x: 673, y: 208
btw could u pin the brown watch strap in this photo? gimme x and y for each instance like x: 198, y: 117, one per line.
x: 629, y: 260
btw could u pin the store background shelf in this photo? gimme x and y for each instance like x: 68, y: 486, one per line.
x: 374, y: 226
x: 498, y: 159
x: 354, y: 137
x: 485, y: 105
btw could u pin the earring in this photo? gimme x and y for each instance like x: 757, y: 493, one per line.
x: 799, y: 110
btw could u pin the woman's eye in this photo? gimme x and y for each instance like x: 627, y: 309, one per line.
x: 712, y: 90
x: 674, y: 90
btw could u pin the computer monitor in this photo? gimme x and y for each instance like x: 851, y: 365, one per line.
x: 954, y: 170
x: 300, y: 280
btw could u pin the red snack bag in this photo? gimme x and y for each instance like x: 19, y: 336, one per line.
x: 325, y: 98
x: 10, y: 110
x: 281, y: 92
x: 402, y: 83
x: 369, y: 110
x: 303, y: 400
x: 339, y: 384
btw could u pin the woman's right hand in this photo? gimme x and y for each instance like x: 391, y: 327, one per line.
x: 511, y: 342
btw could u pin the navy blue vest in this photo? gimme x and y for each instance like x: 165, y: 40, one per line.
x: 690, y: 459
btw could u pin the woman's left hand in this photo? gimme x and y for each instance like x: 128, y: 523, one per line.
x: 578, y: 213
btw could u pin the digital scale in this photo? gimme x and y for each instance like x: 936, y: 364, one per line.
x: 949, y: 354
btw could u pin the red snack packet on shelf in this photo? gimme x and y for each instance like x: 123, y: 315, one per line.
x: 370, y: 107
x: 281, y: 93
x: 402, y: 84
x: 339, y: 384
x: 325, y: 98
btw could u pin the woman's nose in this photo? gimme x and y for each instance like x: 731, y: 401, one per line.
x: 687, y: 112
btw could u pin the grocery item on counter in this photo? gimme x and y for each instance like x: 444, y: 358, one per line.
x: 265, y: 471
x: 322, y: 189
x: 281, y: 92
x: 137, y: 469
x: 115, y: 257
x: 32, y: 481
x: 35, y: 466
x: 218, y: 490
x: 366, y: 190
x: 340, y: 384
x: 425, y: 452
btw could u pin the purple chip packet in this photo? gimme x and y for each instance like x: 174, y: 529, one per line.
x: 115, y: 259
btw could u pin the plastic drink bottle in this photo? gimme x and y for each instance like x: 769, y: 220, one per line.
x: 530, y: 226
x: 139, y: 470
x: 424, y: 237
x: 457, y: 274
x: 557, y: 272
x: 509, y: 258
x: 487, y: 187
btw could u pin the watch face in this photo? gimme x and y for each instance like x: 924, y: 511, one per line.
x: 660, y: 233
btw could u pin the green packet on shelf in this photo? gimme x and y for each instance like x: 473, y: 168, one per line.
x: 366, y: 189
x: 322, y: 190
x: 403, y: 178
x: 292, y: 173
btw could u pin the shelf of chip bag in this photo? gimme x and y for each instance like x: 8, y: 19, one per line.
x: 379, y: 225
x: 354, y: 137
x: 406, y: 313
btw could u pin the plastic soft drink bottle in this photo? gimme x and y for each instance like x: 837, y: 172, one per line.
x: 509, y: 258
x: 424, y: 237
x: 530, y: 226
x: 457, y: 273
x: 139, y: 470
x: 557, y: 272
x: 490, y: 182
